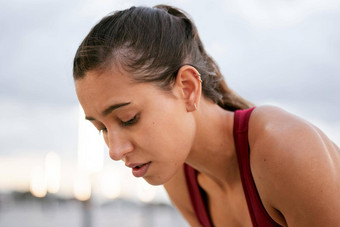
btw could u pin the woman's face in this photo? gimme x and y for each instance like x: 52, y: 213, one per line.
x: 146, y: 127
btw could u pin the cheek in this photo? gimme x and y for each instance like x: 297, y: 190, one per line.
x: 182, y: 138
x: 171, y: 135
x: 167, y: 141
x: 170, y: 148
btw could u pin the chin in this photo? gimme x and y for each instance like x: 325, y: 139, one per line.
x: 155, y: 180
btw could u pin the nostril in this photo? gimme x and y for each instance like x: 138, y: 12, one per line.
x: 119, y: 146
x: 119, y: 154
x: 115, y: 156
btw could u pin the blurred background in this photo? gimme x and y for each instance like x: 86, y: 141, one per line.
x: 282, y: 52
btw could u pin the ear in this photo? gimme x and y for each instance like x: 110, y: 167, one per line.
x: 188, y: 81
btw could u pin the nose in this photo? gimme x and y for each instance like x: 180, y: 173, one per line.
x: 119, y: 146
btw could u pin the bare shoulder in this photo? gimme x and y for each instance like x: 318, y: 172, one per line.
x: 296, y: 168
x: 179, y: 196
x: 274, y: 127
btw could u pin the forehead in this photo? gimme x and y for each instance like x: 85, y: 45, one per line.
x: 104, y: 84
x: 98, y: 90
x: 102, y: 79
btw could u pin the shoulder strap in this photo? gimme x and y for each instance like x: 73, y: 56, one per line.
x: 258, y: 214
x: 196, y: 196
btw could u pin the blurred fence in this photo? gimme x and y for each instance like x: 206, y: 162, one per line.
x: 24, y: 210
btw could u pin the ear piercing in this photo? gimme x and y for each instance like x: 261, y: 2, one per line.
x: 199, y: 77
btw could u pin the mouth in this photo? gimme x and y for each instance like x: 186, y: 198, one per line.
x: 139, y: 170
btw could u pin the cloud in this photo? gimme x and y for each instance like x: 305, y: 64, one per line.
x: 268, y: 14
x: 26, y: 128
x: 295, y: 60
x: 98, y: 9
x: 36, y: 61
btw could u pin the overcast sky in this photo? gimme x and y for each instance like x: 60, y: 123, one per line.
x: 278, y: 52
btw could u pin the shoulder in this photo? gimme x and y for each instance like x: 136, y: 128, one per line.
x: 295, y: 167
x: 279, y: 135
x: 274, y: 128
x: 179, y: 195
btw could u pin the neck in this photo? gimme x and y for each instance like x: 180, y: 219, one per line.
x: 213, y: 152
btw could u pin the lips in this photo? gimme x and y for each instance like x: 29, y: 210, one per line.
x: 139, y: 169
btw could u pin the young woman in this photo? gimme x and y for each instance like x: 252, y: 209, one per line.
x: 145, y: 80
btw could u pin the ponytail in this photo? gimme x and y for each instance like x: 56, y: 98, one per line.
x: 213, y: 83
x: 152, y: 44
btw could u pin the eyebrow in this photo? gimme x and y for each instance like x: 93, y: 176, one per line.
x: 109, y: 110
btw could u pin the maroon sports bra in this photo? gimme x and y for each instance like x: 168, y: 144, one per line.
x: 258, y: 214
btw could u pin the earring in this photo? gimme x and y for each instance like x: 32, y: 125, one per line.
x: 199, y: 77
x: 195, y: 106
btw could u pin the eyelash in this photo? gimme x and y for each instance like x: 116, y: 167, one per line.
x: 103, y: 130
x: 124, y: 123
x: 131, y: 121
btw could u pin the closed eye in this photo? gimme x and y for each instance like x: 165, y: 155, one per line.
x: 131, y: 121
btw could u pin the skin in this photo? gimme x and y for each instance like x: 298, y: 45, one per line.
x: 296, y: 168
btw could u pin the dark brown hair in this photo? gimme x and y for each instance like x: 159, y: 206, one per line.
x: 152, y: 44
